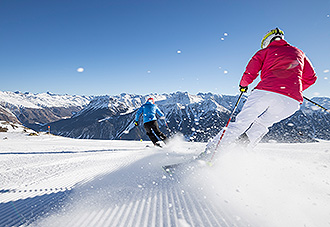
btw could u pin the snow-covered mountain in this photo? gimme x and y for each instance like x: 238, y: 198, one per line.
x: 35, y: 109
x: 107, y: 117
x: 198, y: 117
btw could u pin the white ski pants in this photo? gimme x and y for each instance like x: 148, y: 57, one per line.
x: 261, y: 110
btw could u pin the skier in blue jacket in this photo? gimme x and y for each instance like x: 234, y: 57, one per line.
x: 149, y: 111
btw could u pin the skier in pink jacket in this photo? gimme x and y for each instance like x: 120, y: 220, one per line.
x: 285, y: 73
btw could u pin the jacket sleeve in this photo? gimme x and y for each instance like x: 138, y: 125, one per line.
x: 308, y: 75
x: 253, y: 68
x: 138, y: 113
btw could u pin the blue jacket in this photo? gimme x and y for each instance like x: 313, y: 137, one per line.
x: 149, y: 111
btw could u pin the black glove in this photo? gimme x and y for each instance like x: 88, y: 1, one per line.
x: 136, y: 123
x: 243, y: 89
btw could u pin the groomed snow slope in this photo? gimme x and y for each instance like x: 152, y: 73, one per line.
x: 54, y: 181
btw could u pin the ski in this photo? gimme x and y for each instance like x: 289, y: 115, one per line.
x: 154, y: 146
x: 200, y: 160
x: 202, y: 156
x: 171, y: 168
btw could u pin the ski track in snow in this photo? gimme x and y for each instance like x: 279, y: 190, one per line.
x: 53, y: 181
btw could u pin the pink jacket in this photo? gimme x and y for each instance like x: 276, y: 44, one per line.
x: 284, y: 69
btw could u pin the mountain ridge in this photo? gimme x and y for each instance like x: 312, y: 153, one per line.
x: 198, y: 117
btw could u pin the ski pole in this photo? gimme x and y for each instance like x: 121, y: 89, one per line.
x: 128, y: 127
x: 168, y: 129
x: 317, y: 104
x: 225, y: 128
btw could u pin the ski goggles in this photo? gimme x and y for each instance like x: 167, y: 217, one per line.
x: 270, y: 35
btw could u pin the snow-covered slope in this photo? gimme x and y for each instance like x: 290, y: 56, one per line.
x: 17, y: 128
x: 53, y: 181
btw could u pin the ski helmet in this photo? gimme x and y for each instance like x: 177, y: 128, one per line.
x: 271, y: 36
x: 151, y: 100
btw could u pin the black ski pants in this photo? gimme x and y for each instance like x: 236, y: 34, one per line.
x: 152, y: 128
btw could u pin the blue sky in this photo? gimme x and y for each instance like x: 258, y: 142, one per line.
x: 133, y: 46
